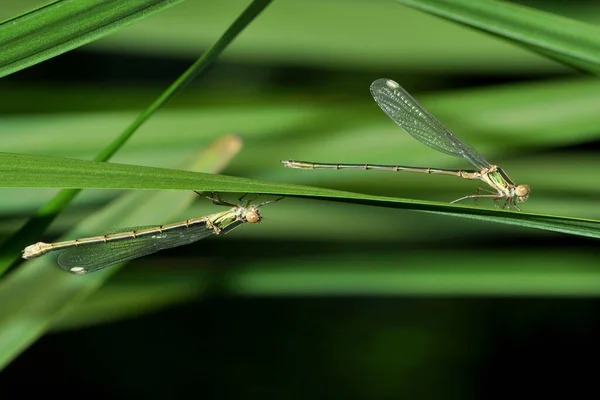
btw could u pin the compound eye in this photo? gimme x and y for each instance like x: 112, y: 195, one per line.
x: 253, y: 217
x: 522, y: 191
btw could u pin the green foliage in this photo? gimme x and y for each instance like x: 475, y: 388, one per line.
x: 365, y: 238
x: 48, y: 31
x: 573, y: 42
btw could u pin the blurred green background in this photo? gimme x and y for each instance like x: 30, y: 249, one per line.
x: 321, y: 300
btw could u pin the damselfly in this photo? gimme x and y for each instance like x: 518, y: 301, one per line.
x: 411, y: 116
x: 82, y: 256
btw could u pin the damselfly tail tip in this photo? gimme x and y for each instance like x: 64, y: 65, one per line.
x: 34, y: 250
x: 288, y: 163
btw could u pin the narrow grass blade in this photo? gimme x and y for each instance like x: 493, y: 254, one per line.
x: 569, y: 41
x: 483, y: 273
x: 65, y: 25
x: 62, y: 172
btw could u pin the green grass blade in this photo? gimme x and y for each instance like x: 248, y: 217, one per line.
x: 249, y: 14
x: 485, y: 273
x: 569, y: 41
x: 62, y: 172
x: 38, y: 291
x: 65, y: 25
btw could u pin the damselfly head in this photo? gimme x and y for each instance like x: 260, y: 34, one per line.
x: 522, y: 193
x: 253, y: 215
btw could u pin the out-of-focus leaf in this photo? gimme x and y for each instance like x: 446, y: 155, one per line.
x: 572, y: 42
x: 64, y: 25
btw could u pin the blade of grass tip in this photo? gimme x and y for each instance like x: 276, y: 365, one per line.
x: 554, y: 223
x: 566, y: 40
x: 56, y: 28
x: 38, y: 292
x: 47, y: 213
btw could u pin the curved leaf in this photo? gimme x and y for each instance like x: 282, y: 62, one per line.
x: 62, y: 172
x: 569, y: 41
x: 66, y: 25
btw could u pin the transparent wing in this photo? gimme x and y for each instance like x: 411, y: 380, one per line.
x: 411, y: 116
x: 94, y: 257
